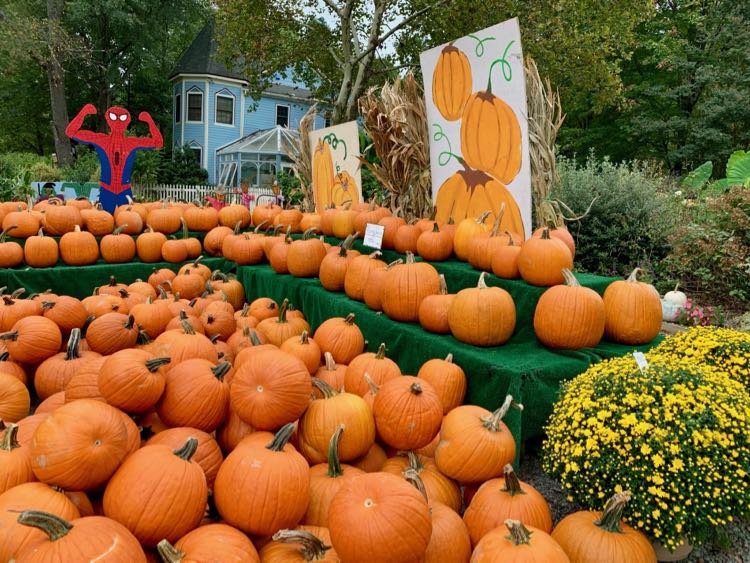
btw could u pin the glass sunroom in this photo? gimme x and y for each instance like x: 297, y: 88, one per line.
x: 256, y: 158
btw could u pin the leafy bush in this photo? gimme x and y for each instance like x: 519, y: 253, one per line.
x: 630, y: 220
x: 85, y: 168
x: 710, y: 254
x: 290, y: 189
x: 15, y: 173
x: 44, y: 172
x: 181, y: 166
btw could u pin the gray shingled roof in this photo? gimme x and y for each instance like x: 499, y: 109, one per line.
x: 201, y: 58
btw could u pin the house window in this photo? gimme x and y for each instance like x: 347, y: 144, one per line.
x: 224, y: 109
x: 198, y: 152
x: 328, y: 119
x: 177, y: 108
x: 195, y: 106
x: 282, y: 115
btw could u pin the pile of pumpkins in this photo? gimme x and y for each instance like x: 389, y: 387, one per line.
x: 214, y: 429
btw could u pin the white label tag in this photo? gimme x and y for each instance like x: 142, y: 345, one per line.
x: 641, y: 360
x: 373, y: 235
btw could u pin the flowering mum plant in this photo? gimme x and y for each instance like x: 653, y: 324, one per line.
x: 722, y: 349
x: 675, y: 435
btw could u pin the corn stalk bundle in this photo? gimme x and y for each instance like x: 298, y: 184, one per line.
x: 545, y: 119
x: 300, y: 154
x: 395, y: 119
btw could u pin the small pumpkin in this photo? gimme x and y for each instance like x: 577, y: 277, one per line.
x: 11, y: 253
x: 26, y: 223
x: 391, y: 224
x: 32, y: 339
x: 435, y: 245
x: 373, y: 292
x: 207, y: 454
x: 632, y: 311
x: 306, y: 349
x: 305, y: 256
x: 149, y: 244
x: 406, y: 238
x: 129, y: 220
x: 560, y: 233
x: 54, y: 373
x: 484, y: 246
x: 433, y: 311
x: 277, y: 330
x: 341, y: 337
x: 97, y: 221
x: 230, y: 215
x: 164, y: 218
x: 332, y: 272
x: 214, y: 240
x: 185, y: 343
x: 343, y: 223
x: 132, y: 380
x: 447, y: 378
x: 482, y: 316
x: 466, y: 230
x: 505, y: 259
x: 60, y: 219
x: 331, y: 373
x: 112, y: 332
x: 437, y: 486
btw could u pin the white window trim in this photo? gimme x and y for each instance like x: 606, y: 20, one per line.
x: 288, y: 114
x: 195, y: 146
x: 193, y: 92
x: 178, y: 107
x: 225, y: 94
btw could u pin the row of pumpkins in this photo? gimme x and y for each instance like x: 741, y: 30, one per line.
x: 266, y: 443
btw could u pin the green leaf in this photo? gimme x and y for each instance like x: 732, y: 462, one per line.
x: 698, y: 177
x: 738, y: 169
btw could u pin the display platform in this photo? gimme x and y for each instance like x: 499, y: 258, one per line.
x: 523, y: 367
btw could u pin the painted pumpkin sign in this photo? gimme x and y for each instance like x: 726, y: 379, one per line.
x: 476, y: 113
x: 335, y: 166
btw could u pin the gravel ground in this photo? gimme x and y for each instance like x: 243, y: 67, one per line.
x: 731, y: 544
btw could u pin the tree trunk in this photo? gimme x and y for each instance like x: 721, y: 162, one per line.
x: 56, y: 81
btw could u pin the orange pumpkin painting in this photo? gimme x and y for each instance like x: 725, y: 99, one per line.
x: 469, y: 193
x: 344, y: 190
x: 322, y: 175
x: 491, y: 136
x: 451, y: 83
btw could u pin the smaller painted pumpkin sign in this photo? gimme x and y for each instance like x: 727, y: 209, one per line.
x: 336, y: 174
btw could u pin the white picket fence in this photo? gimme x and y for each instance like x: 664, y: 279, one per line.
x: 187, y: 192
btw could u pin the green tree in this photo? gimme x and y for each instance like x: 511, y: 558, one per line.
x: 333, y: 47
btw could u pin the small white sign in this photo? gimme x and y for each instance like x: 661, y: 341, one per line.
x: 373, y: 235
x: 641, y: 360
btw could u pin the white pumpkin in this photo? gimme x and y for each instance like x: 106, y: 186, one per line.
x: 676, y: 297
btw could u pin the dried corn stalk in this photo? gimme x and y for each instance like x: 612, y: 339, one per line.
x: 545, y: 119
x: 395, y: 119
x: 301, y: 155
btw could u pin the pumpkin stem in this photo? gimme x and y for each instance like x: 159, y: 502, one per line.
x: 5, y: 355
x: 376, y: 254
x: 17, y: 293
x: 449, y: 358
x: 511, y: 242
x: 498, y: 220
x: 570, y: 279
x: 6, y: 231
x: 282, y: 311
x: 187, y: 327
x: 381, y: 352
x: 483, y: 217
x: 413, y: 477
x: 72, y: 351
x: 394, y: 263
x: 221, y: 370
x: 409, y: 257
x: 13, y: 335
x: 334, y: 463
x: 112, y: 281
x: 545, y: 233
x: 612, y: 515
x: 54, y: 526
x: 308, y: 233
x: 143, y: 338
x: 519, y: 534
x: 281, y: 438
x: 215, y: 338
x: 633, y: 277
x: 260, y: 226
x: 245, y: 311
x: 324, y: 388
x: 435, y: 228
x: 253, y: 336
x: 443, y: 285
x: 237, y: 226
x: 313, y: 549
x: 677, y: 286
x: 374, y: 387
x: 185, y: 234
x: 414, y: 462
x: 492, y: 422
x: 9, y: 441
x: 330, y: 362
x: 512, y: 485
x: 349, y: 319
x: 120, y: 229
x: 304, y: 338
x: 482, y: 284
x: 416, y: 388
x: 169, y: 553
x: 187, y: 450
x: 155, y: 363
x: 130, y: 322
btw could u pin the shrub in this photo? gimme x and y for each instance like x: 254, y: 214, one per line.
x: 45, y: 172
x: 711, y: 249
x: 181, y: 166
x: 290, y: 189
x: 84, y: 169
x: 629, y: 222
x: 675, y: 435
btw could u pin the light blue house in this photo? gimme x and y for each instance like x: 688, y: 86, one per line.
x: 236, y: 138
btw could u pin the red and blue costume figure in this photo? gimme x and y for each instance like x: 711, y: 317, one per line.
x: 115, y: 150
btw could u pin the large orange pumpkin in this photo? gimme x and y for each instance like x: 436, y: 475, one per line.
x: 369, y: 515
x: 405, y: 286
x: 14, y: 398
x: 541, y: 260
x: 451, y: 83
x: 475, y: 445
x: 132, y: 380
x: 633, y: 311
x: 358, y: 272
x: 560, y: 233
x: 155, y: 505
x: 482, y: 316
x: 522, y: 545
x: 466, y: 230
x: 587, y: 537
x: 408, y: 412
x: 437, y: 486
x: 263, y: 471
x: 211, y: 542
x: 491, y: 136
x: 341, y: 337
x: 505, y: 259
x: 468, y: 193
x: 322, y: 175
x: 503, y: 498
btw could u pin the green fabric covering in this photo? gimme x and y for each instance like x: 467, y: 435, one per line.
x: 80, y: 281
x: 523, y: 368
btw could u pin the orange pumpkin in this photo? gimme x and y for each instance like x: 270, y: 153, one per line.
x: 541, y: 260
x: 570, y: 316
x: 376, y: 365
x: 451, y: 82
x: 149, y: 244
x: 435, y: 245
x: 408, y: 412
x: 341, y: 337
x: 391, y: 225
x: 448, y: 379
x: 343, y: 223
x: 78, y: 248
x: 303, y: 543
x: 475, y: 445
x: 468, y: 193
x: 560, y: 233
x: 331, y: 373
x: 32, y: 339
x: 373, y: 291
x: 164, y: 219
x: 322, y: 175
x: 11, y: 253
x: 503, y: 498
x: 405, y: 286
x: 132, y: 380
x: 211, y: 542
x: 305, y: 256
x: 333, y: 267
x: 406, y: 238
x: 602, y: 536
x: 40, y: 251
x: 437, y: 486
x: 345, y: 190
x: 15, y: 460
x: 358, y: 272
x: 466, y: 231
x: 280, y: 478
x: 482, y: 316
x: 60, y: 219
x: 505, y: 260
x: 632, y: 311
x: 433, y: 311
x: 484, y: 246
x: 523, y: 544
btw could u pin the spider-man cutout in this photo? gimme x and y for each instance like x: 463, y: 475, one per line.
x: 116, y: 152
